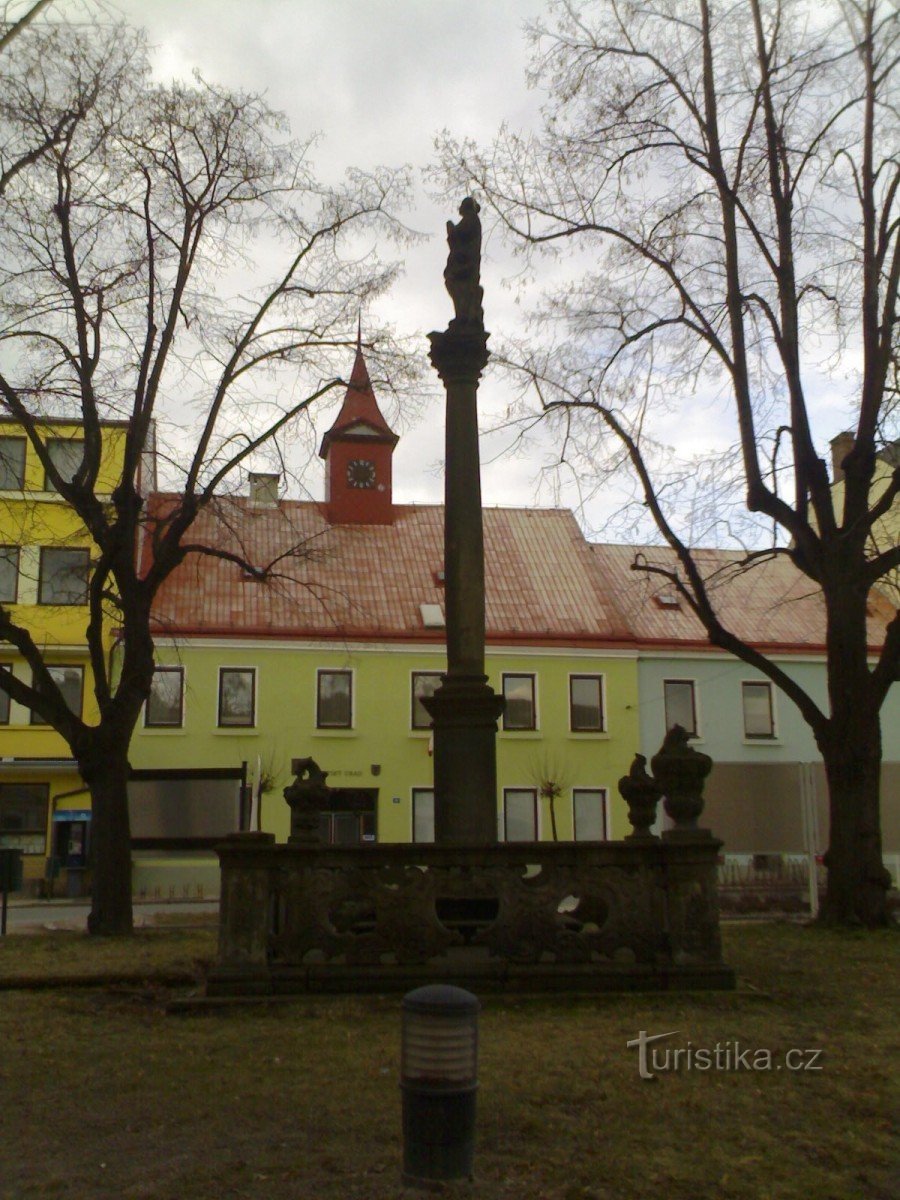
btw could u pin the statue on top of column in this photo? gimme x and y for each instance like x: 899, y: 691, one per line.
x: 463, y: 271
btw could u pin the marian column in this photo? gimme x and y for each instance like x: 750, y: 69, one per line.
x: 464, y: 709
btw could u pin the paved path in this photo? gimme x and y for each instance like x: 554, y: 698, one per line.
x: 37, y: 915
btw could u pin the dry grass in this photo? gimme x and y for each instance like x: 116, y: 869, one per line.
x: 106, y: 1096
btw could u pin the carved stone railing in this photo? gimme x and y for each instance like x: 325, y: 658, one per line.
x: 592, y: 916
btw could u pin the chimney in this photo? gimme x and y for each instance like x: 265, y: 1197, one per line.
x: 840, y: 448
x: 263, y: 488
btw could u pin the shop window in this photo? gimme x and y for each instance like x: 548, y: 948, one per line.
x: 70, y: 681
x: 680, y: 704
x: 520, y: 817
x: 424, y: 683
x: 23, y: 817
x: 589, y: 814
x: 63, y: 576
x: 237, y: 696
x: 164, y: 708
x: 334, y: 700
x: 12, y: 464
x: 520, y: 711
x: 586, y: 703
x: 759, y: 713
x: 423, y: 814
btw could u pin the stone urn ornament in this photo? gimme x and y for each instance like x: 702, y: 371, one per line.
x: 641, y: 793
x: 307, y: 797
x: 680, y: 772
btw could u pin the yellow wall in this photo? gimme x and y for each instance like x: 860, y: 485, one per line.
x: 31, y: 519
x: 381, y: 735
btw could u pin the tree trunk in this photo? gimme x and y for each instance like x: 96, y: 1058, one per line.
x: 857, y: 887
x: 851, y: 750
x: 107, y: 778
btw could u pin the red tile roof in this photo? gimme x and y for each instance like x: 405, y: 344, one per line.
x: 368, y: 581
x: 771, y: 604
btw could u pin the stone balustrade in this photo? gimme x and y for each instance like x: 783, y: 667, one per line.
x: 592, y: 916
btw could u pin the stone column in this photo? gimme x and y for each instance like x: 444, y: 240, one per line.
x: 464, y: 709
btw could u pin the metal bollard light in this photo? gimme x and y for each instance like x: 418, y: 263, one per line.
x: 439, y: 1081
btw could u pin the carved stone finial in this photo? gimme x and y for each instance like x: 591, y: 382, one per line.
x: 641, y: 793
x: 307, y: 796
x: 462, y: 275
x: 681, y: 772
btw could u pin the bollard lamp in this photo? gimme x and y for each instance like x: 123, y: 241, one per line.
x: 439, y: 1081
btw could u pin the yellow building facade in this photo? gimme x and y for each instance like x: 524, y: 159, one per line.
x: 44, y: 562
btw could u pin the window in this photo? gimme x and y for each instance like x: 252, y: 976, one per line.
x: 589, y: 814
x: 70, y: 681
x: 66, y: 454
x: 334, y: 700
x: 165, y: 704
x: 237, y: 696
x: 5, y: 668
x: 9, y: 574
x: 423, y: 814
x: 518, y: 692
x: 586, y: 703
x: 424, y: 683
x: 759, y: 715
x: 23, y: 816
x: 12, y: 464
x: 63, y: 576
x: 679, y: 703
x: 520, y: 815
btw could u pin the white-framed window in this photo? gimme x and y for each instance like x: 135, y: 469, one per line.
x: 586, y: 704
x: 423, y: 814
x: 237, y: 697
x: 66, y: 454
x: 519, y: 692
x: 63, y: 576
x: 69, y: 678
x: 12, y: 464
x: 164, y: 708
x: 590, y: 817
x: 424, y: 683
x: 334, y: 699
x: 680, y: 701
x: 758, y: 709
x: 520, y: 815
x: 9, y: 574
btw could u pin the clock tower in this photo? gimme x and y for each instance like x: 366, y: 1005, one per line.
x: 358, y: 450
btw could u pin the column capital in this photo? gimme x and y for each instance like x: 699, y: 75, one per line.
x: 460, y: 353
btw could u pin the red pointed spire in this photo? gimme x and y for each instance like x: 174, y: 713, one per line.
x: 360, y: 408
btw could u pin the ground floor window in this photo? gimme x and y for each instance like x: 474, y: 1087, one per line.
x: 423, y: 814
x: 23, y: 816
x: 520, y: 816
x: 589, y: 814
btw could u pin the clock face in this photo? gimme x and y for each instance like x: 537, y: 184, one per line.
x: 361, y: 473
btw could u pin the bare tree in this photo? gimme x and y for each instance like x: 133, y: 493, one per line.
x: 128, y: 293
x: 730, y: 172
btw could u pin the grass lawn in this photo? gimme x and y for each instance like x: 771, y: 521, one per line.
x: 104, y: 1095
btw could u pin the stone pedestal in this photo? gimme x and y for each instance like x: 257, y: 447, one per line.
x: 465, y: 711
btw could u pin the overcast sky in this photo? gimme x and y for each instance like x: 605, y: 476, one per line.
x: 379, y: 79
